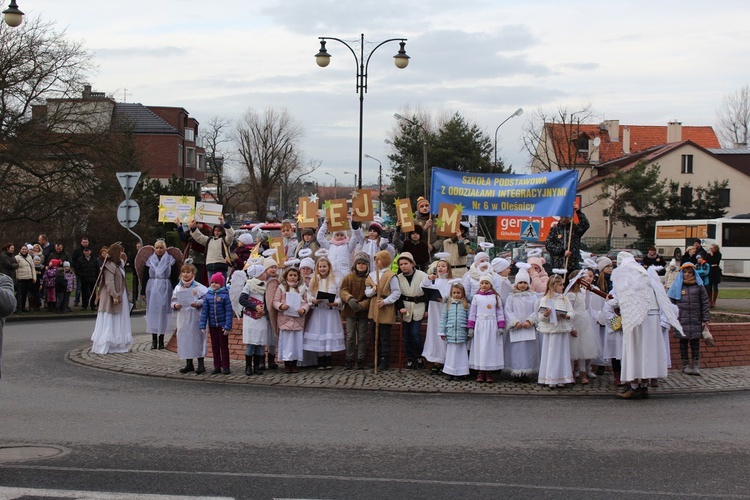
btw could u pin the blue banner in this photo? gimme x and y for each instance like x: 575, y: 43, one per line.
x: 533, y: 195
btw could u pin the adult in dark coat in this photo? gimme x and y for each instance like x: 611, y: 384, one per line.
x: 557, y: 242
x: 652, y: 258
x: 87, y: 271
x: 691, y: 298
x: 77, y: 254
x: 714, y: 274
x: 59, y: 253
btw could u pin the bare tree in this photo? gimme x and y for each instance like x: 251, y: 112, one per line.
x: 215, y: 139
x: 268, y: 149
x: 733, y: 117
x: 55, y: 151
x: 553, y: 139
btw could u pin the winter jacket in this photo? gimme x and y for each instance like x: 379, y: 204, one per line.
x: 286, y: 322
x: 557, y: 242
x: 70, y: 280
x: 49, y: 277
x: 216, y: 248
x: 112, y: 286
x: 8, y: 264
x: 88, y: 269
x: 25, y: 269
x: 453, y: 322
x: 353, y: 286
x: 217, y: 309
x: 694, y: 310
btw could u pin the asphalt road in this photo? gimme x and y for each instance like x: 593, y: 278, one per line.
x: 125, y: 433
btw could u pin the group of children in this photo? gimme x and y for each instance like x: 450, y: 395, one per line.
x: 481, y: 322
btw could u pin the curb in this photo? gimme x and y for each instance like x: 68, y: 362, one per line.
x: 142, y: 361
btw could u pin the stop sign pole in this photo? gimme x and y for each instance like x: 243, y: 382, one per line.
x: 129, y: 212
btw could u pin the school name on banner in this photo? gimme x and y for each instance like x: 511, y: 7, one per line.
x: 538, y: 195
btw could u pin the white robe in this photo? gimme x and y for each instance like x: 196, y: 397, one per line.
x: 191, y: 343
x: 435, y: 347
x: 159, y: 294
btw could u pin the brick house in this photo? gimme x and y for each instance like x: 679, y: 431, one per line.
x: 165, y: 137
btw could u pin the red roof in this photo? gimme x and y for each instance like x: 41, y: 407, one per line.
x: 641, y: 137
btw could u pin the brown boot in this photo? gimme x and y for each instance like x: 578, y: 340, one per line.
x: 287, y: 367
x: 294, y: 366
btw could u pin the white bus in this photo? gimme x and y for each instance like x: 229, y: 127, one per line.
x: 731, y: 234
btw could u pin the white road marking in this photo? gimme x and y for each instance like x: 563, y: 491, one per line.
x: 8, y: 493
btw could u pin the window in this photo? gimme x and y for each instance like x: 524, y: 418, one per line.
x: 687, y: 164
x: 201, y: 162
x: 190, y: 135
x: 686, y: 196
x: 179, y: 154
x: 190, y: 156
x: 724, y: 198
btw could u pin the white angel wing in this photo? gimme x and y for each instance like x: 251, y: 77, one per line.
x: 237, y: 284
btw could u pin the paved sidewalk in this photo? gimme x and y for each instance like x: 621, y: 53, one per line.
x: 162, y: 363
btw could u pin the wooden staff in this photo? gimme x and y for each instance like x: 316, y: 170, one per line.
x: 377, y: 314
x: 570, y: 239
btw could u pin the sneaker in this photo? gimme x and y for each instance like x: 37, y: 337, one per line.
x: 410, y: 364
x: 591, y: 374
x: 420, y: 363
x: 688, y: 370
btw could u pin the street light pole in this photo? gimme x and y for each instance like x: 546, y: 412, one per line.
x: 323, y: 58
x: 335, y: 190
x: 517, y: 112
x: 355, y: 179
x: 380, y: 183
x: 424, y: 150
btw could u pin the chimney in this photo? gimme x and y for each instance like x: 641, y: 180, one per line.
x: 626, y: 140
x: 674, y: 131
x: 593, y: 152
x: 613, y: 129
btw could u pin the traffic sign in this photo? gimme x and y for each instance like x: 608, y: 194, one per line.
x: 128, y: 180
x: 128, y: 214
x: 530, y: 230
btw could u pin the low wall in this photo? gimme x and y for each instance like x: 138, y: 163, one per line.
x: 732, y: 346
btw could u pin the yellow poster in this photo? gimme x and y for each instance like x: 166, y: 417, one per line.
x: 172, y: 207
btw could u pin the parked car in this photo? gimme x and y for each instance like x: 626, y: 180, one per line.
x: 612, y: 255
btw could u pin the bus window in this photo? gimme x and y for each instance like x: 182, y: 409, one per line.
x: 736, y: 235
x: 711, y: 231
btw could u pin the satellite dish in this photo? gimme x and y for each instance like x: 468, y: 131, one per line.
x: 597, y: 141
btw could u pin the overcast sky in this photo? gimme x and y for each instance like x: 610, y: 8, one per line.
x: 642, y: 62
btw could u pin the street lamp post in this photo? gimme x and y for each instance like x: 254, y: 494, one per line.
x: 424, y: 150
x: 323, y: 58
x: 355, y: 178
x: 335, y: 189
x: 380, y: 183
x: 517, y: 112
x: 13, y: 16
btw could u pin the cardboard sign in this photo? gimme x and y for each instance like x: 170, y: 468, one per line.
x: 308, y: 212
x: 448, y: 219
x: 278, y: 244
x: 173, y: 207
x: 405, y: 214
x: 362, y: 205
x: 208, y: 212
x: 336, y: 212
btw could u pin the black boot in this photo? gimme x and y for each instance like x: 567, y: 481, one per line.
x: 188, y: 367
x: 272, y: 361
x: 256, y: 364
x: 248, y: 365
x: 329, y: 362
x: 161, y: 341
x: 153, y: 341
x: 201, y: 367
